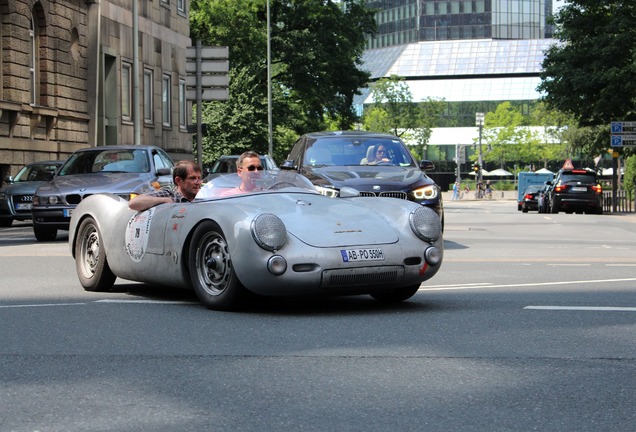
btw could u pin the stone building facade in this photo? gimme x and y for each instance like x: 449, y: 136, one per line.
x: 67, y: 77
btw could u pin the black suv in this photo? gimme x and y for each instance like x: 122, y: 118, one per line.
x: 375, y: 164
x: 575, y: 190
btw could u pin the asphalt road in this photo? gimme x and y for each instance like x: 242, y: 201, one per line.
x: 529, y: 325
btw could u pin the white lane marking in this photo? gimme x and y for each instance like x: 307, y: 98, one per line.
x: 460, y: 287
x: 145, y: 301
x: 96, y: 301
x: 569, y: 265
x: 584, y: 308
x: 620, y: 265
x: 41, y: 305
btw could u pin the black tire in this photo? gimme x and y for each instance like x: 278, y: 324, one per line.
x: 396, y: 295
x: 524, y: 209
x: 5, y: 223
x: 90, y: 258
x: 44, y: 233
x: 213, y: 278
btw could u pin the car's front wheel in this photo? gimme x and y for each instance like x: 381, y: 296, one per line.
x: 6, y: 222
x: 396, y: 295
x: 213, y: 278
x: 90, y: 258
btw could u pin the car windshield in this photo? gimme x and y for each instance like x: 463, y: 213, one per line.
x: 578, y: 178
x: 357, y: 151
x: 107, y: 160
x: 533, y: 188
x: 229, y: 185
x: 36, y: 173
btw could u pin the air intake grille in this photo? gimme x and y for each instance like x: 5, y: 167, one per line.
x: 362, y: 276
x: 394, y: 194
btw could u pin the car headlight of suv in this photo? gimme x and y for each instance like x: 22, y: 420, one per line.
x: 426, y: 192
x: 47, y: 200
x: 328, y: 192
x: 269, y: 231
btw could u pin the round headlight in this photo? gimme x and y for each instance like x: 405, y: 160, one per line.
x: 269, y: 231
x: 432, y: 255
x: 425, y: 223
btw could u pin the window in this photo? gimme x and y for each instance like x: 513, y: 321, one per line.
x: 126, y: 91
x: 182, y: 104
x: 166, y: 109
x: 181, y: 6
x: 33, y: 39
x: 148, y: 96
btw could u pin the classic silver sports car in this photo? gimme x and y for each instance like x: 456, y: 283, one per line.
x: 282, y: 239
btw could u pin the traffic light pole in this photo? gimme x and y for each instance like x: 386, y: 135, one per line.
x: 480, y: 122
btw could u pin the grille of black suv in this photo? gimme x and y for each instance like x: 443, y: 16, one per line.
x: 394, y: 194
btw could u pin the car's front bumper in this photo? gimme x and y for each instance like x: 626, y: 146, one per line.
x: 52, y: 217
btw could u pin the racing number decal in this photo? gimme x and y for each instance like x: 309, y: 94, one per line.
x: 137, y: 232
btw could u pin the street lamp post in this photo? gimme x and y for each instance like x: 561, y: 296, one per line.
x: 479, y: 121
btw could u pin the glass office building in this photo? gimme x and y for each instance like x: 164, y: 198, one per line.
x: 407, y: 21
x: 473, y: 54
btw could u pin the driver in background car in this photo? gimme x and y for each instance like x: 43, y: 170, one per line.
x: 186, y: 177
x: 248, y: 167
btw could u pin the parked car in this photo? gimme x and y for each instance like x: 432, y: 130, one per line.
x: 122, y: 170
x: 575, y: 190
x: 530, y: 199
x: 16, y: 198
x: 333, y: 160
x: 283, y: 239
x: 227, y: 164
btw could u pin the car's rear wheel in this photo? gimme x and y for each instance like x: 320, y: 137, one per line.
x: 524, y: 209
x: 44, y: 233
x: 6, y: 222
x: 211, y: 270
x: 396, y: 295
x: 90, y: 258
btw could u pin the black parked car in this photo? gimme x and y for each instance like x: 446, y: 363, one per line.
x: 122, y: 170
x: 375, y: 164
x: 531, y: 197
x: 575, y: 190
x: 17, y: 196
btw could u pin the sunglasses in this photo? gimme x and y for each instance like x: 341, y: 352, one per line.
x: 254, y: 168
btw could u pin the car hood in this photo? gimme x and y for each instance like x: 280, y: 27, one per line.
x: 366, y: 177
x: 22, y: 188
x: 97, y: 182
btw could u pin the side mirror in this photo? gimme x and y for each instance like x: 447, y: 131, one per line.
x: 163, y: 172
x: 8, y: 179
x: 427, y: 165
x: 288, y: 165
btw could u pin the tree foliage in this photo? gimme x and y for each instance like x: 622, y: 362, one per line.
x: 394, y: 111
x: 591, y: 72
x: 316, y: 51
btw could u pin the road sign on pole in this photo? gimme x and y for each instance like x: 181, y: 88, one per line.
x: 623, y: 134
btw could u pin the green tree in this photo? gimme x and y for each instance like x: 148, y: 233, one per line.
x: 317, y: 47
x: 629, y: 176
x: 505, y: 138
x: 394, y: 111
x: 591, y: 72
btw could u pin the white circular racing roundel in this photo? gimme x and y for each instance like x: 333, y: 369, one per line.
x: 137, y: 232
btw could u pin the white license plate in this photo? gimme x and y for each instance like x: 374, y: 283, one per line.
x: 23, y: 206
x: 579, y: 189
x: 355, y: 255
x: 68, y: 212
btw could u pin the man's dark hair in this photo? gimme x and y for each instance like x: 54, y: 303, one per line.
x: 181, y: 169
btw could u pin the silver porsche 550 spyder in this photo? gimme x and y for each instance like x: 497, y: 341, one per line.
x: 282, y: 239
